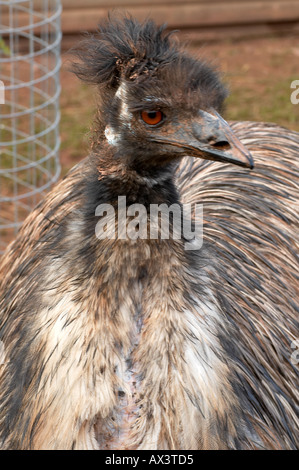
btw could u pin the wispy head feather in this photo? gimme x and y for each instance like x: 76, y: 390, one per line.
x: 123, y: 49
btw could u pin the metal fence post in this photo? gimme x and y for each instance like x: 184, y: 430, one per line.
x: 30, y: 37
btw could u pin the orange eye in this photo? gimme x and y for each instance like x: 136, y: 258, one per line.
x: 152, y: 117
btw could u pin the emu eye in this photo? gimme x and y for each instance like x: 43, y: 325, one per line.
x: 152, y: 117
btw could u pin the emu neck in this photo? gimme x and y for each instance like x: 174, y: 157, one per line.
x: 141, y: 182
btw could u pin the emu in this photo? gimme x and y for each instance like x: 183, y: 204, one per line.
x: 140, y: 344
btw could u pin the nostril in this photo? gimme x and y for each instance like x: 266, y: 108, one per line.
x: 221, y: 145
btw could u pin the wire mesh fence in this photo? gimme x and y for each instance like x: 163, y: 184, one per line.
x: 30, y: 37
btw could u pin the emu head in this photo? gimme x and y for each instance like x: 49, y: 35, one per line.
x: 157, y: 103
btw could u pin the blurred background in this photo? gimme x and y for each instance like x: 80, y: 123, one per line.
x: 254, y: 43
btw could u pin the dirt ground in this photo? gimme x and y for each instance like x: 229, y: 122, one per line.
x: 259, y: 73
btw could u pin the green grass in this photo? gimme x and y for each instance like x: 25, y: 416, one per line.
x: 4, y: 48
x: 272, y: 104
x: 77, y: 113
x: 75, y: 131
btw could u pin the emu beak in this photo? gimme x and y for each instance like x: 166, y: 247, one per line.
x: 216, y: 141
x: 211, y: 138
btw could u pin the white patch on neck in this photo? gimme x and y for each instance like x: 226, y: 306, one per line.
x: 125, y: 114
x: 121, y: 91
x: 112, y: 136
